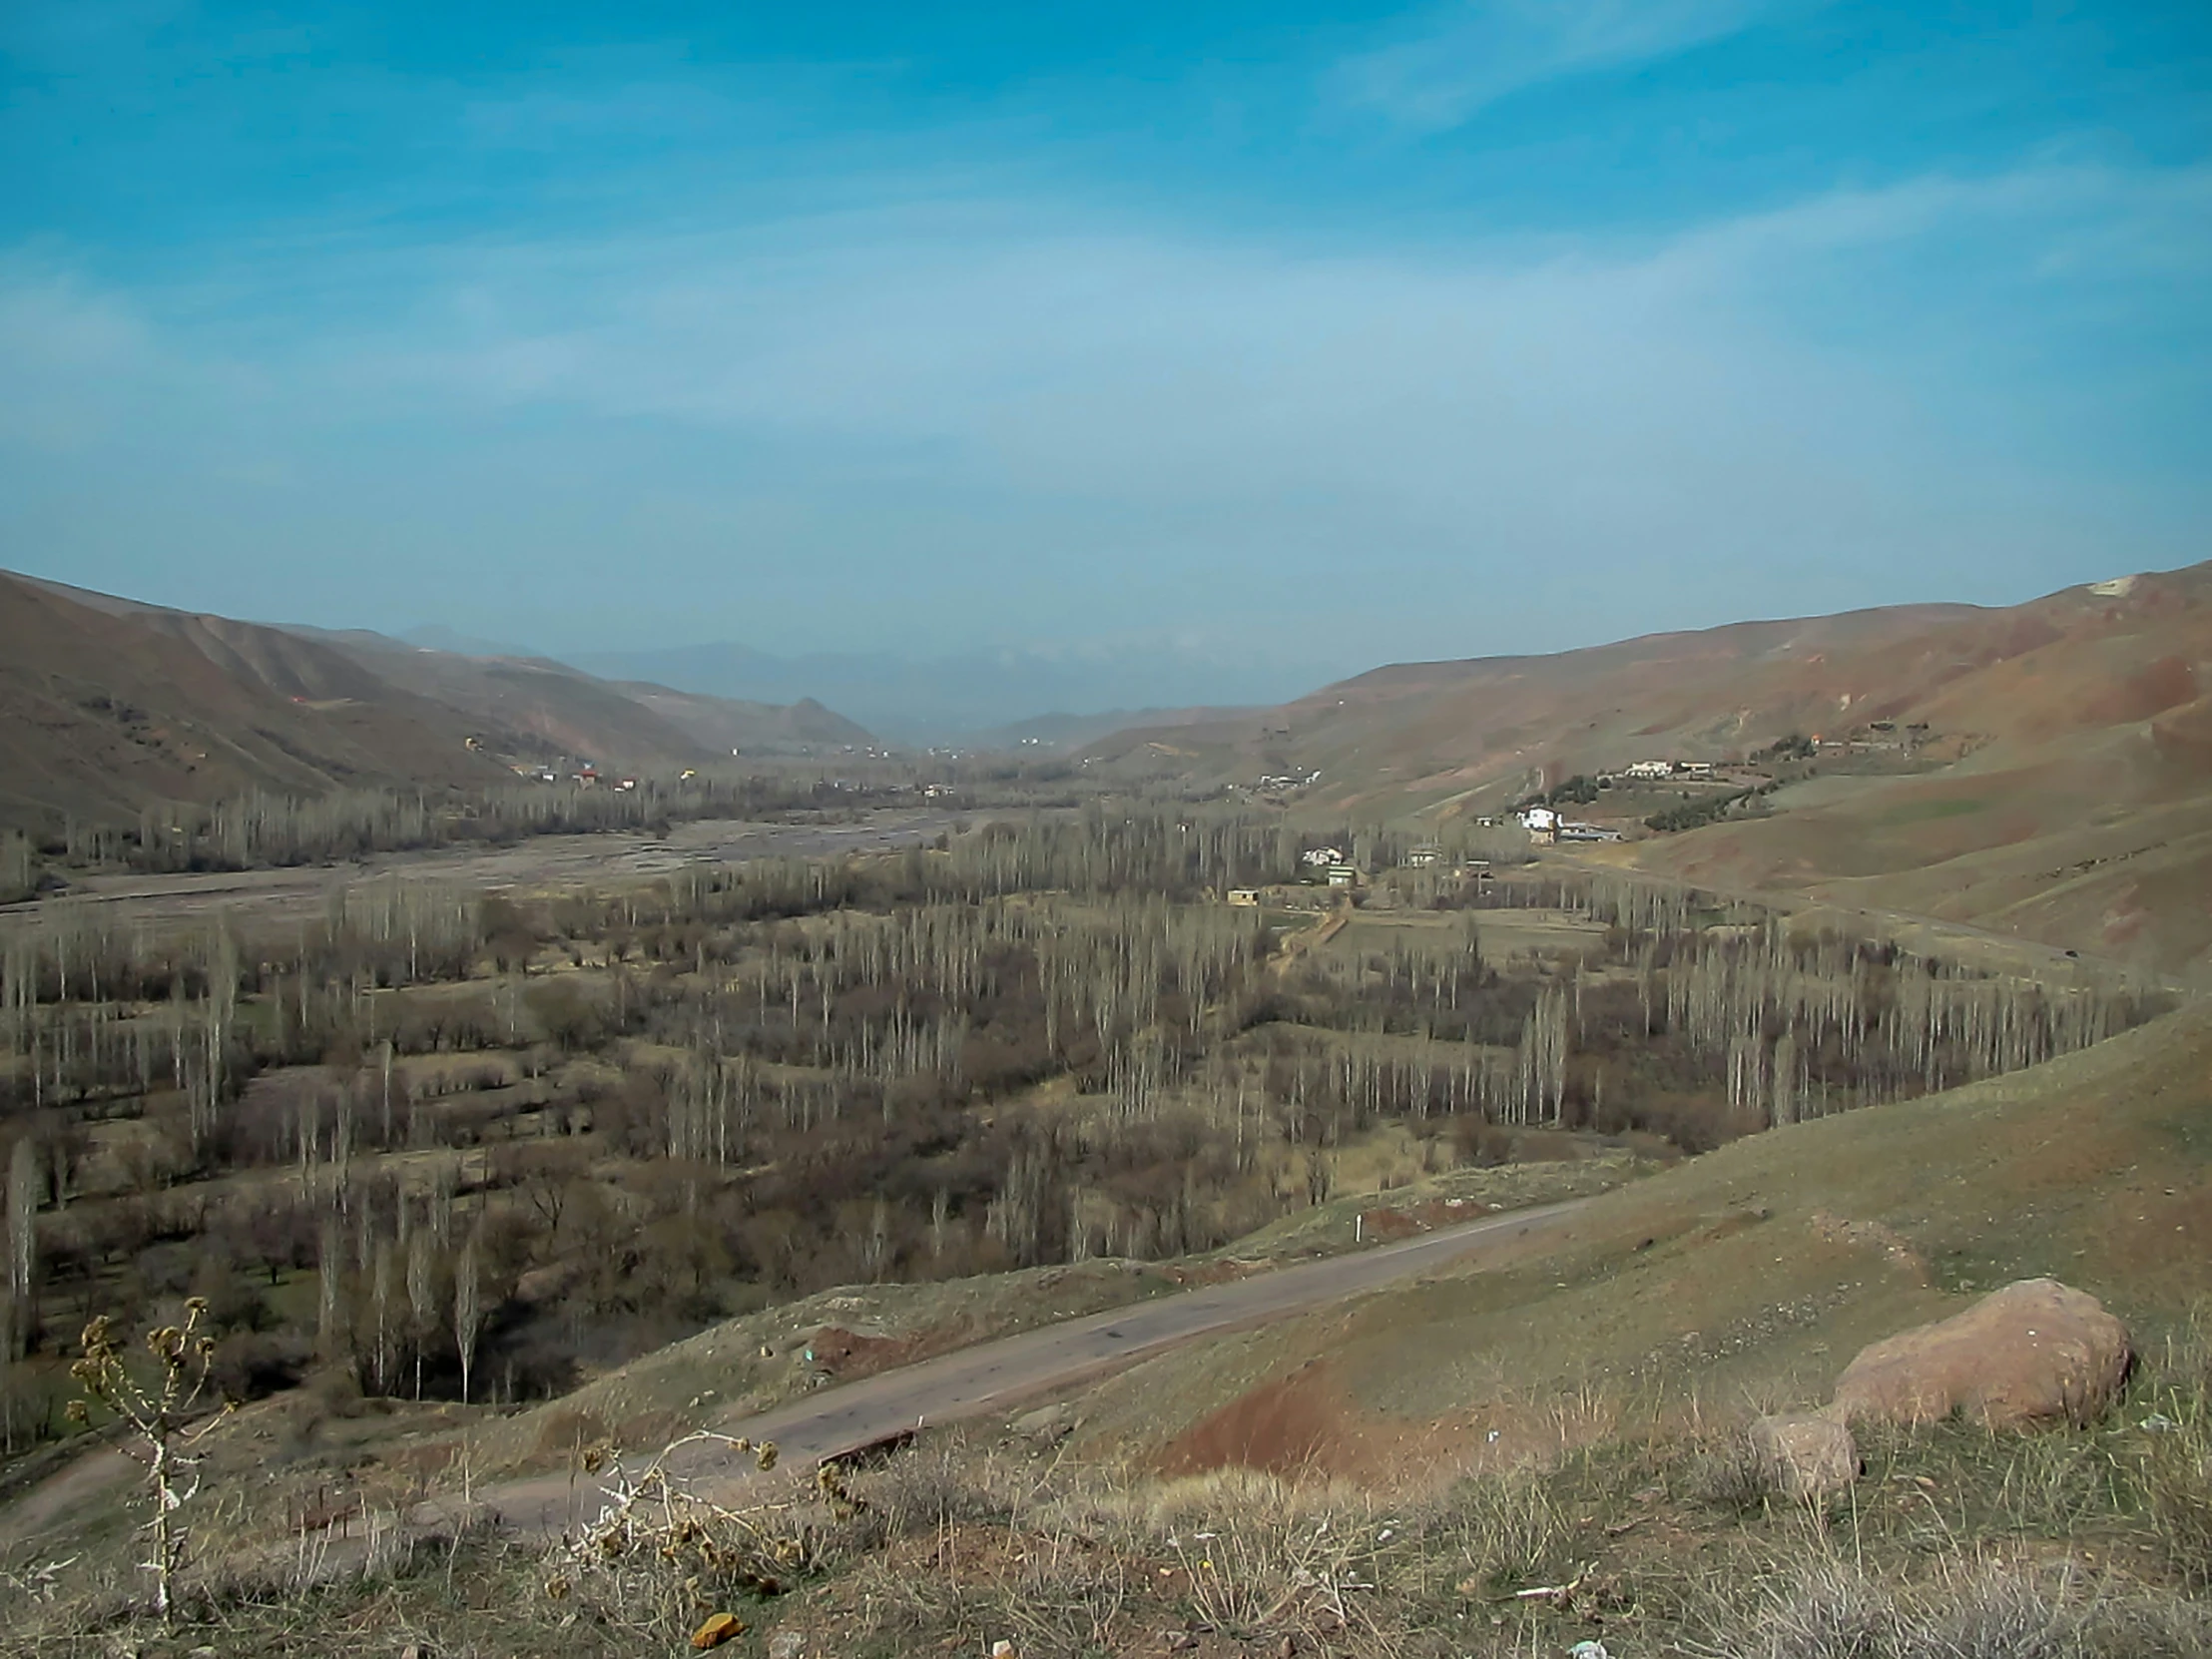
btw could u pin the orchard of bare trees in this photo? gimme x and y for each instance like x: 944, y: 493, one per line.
x: 451, y: 1143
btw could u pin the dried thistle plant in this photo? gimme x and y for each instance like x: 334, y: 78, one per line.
x: 158, y: 1417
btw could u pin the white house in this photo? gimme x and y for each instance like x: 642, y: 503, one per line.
x: 1652, y: 769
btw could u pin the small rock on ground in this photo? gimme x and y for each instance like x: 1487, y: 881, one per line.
x: 1809, y: 1456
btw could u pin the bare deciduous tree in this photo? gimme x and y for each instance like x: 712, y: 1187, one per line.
x: 468, y: 1313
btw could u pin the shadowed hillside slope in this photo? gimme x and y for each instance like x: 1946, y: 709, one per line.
x: 110, y: 704
x: 528, y: 707
x: 108, y: 708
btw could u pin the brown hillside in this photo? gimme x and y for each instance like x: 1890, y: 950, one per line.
x: 104, y: 710
x: 2083, y: 817
x: 531, y: 707
x: 2066, y: 791
x: 724, y: 724
x: 110, y: 704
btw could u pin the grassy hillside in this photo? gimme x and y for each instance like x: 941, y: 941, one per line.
x: 1743, y: 1279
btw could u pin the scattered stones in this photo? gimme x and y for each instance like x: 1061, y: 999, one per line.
x: 717, y: 1630
x: 2034, y: 1352
x: 1895, y: 1246
x: 1808, y: 1457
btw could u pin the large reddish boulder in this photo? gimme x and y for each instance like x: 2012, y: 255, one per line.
x: 2033, y: 1351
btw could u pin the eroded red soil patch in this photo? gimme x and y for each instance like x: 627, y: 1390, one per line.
x: 1295, y: 1424
x: 854, y: 1353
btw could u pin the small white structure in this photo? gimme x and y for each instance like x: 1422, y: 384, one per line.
x: 1542, y: 823
x: 1652, y: 769
x: 1320, y: 856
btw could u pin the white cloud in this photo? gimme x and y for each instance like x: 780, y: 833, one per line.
x: 68, y: 354
x: 1467, y: 56
x: 1097, y: 426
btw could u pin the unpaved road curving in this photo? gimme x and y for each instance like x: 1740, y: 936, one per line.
x: 994, y: 1375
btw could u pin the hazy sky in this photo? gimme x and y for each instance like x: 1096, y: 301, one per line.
x: 1297, y: 335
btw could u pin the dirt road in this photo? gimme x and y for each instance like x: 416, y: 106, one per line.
x: 994, y: 1376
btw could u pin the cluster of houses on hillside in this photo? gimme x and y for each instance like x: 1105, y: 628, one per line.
x: 1648, y: 771
x: 582, y: 773
x: 1547, y: 825
x: 1337, y: 867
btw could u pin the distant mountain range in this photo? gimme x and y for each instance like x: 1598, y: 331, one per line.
x: 975, y: 700
x: 108, y: 706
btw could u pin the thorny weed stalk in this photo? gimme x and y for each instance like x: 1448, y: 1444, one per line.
x: 659, y: 1550
x: 158, y: 1418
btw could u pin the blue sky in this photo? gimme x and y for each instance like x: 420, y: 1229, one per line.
x: 1287, y: 339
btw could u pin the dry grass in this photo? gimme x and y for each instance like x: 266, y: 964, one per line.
x: 2176, y: 1473
x: 1957, y: 1545
x: 1967, y: 1607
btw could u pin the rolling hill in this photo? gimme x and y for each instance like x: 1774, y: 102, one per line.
x: 110, y: 705
x: 2061, y: 787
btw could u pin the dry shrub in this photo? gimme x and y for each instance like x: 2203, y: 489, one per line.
x: 1968, y: 1609
x: 659, y: 1557
x: 1728, y: 1472
x: 2177, y: 1457
x: 1053, y: 1560
x: 939, y: 1483
x: 1824, y: 1612
x: 2177, y: 1491
x: 1506, y: 1525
